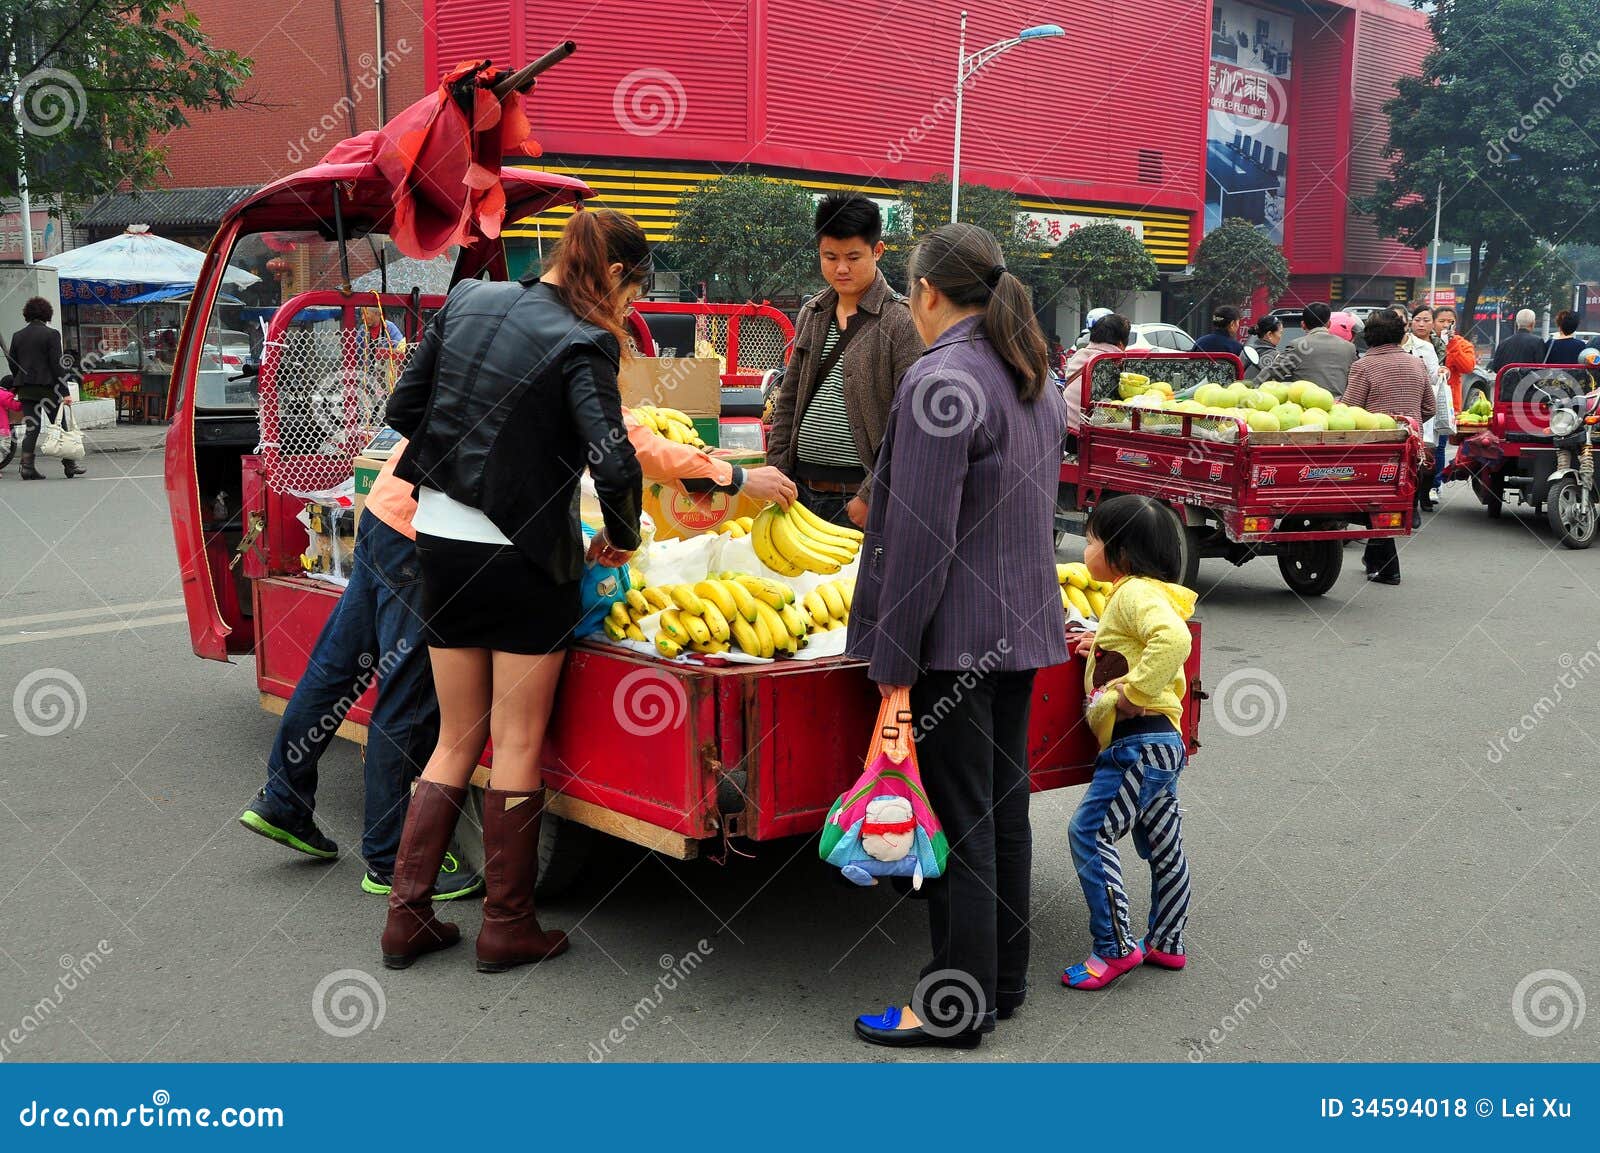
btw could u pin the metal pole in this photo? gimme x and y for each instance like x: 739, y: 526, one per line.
x: 383, y: 103
x: 24, y: 205
x: 955, y: 161
x: 1433, y: 274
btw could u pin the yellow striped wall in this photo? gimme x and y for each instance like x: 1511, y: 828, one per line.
x: 651, y: 197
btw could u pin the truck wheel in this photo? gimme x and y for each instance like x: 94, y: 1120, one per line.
x: 1188, y: 549
x: 1573, y: 525
x: 563, y: 856
x: 1311, y: 568
x: 1491, y: 493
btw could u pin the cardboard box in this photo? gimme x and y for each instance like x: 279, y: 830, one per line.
x: 679, y: 515
x: 367, y: 469
x: 692, y: 385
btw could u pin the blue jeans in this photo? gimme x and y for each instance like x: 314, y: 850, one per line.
x: 375, y: 632
x: 1438, y: 461
x: 1135, y: 787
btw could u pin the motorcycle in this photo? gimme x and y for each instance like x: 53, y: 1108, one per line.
x: 1572, y: 502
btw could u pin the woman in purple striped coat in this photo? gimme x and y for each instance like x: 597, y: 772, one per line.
x: 957, y: 598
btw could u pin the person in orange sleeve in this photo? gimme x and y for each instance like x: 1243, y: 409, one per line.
x: 1459, y: 358
x: 377, y: 628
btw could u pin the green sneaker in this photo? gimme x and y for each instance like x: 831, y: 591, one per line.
x: 298, y: 833
x: 456, y: 879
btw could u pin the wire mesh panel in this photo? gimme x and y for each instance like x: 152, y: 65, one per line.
x: 324, y: 391
x: 763, y: 343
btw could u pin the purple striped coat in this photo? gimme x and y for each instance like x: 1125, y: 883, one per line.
x: 958, y: 567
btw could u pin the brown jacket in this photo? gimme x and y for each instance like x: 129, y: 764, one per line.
x: 873, y: 363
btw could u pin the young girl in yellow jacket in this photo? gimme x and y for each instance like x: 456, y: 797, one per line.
x: 1136, y: 690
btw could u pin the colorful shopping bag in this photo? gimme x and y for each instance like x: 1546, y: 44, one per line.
x: 601, y: 588
x: 884, y: 825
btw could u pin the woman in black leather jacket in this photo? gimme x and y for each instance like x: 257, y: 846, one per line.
x: 510, y: 397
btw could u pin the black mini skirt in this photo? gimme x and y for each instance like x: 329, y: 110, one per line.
x: 487, y: 596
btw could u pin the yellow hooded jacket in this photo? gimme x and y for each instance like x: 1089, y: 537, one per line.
x: 1139, y: 653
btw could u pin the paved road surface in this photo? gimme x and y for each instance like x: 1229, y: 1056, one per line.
x: 1374, y: 874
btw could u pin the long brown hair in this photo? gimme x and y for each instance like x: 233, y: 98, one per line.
x: 965, y: 263
x: 593, y: 240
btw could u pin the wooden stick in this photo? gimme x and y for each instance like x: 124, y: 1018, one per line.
x: 522, y: 79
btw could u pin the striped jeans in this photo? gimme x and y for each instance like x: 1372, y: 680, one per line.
x: 1135, y: 787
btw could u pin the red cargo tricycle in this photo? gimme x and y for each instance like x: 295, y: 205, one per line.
x: 1234, y: 492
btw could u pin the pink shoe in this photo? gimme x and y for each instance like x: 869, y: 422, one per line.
x: 1162, y: 960
x: 1098, y: 972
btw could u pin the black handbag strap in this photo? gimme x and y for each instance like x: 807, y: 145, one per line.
x: 845, y: 335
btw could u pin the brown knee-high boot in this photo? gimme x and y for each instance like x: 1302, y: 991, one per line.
x: 511, y: 935
x: 412, y: 930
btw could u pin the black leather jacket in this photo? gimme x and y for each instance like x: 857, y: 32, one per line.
x: 506, y: 401
x: 35, y: 361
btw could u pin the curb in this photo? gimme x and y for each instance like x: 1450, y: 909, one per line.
x: 97, y: 449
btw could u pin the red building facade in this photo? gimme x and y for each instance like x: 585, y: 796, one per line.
x: 1115, y: 120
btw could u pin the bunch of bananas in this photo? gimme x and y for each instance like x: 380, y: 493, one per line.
x: 714, y: 615
x: 790, y: 543
x: 829, y: 604
x: 737, y: 527
x: 1081, y: 591
x: 676, y: 426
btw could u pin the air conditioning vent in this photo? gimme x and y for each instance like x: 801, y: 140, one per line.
x: 1151, y: 168
x: 1458, y: 278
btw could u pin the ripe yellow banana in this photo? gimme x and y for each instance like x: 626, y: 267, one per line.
x: 1080, y: 601
x: 847, y: 592
x: 734, y: 530
x: 668, y: 647
x: 675, y: 414
x: 1065, y: 603
x: 742, y: 600
x: 673, y: 628
x: 1097, y: 601
x: 635, y: 633
x: 799, y: 551
x: 745, y: 635
x: 646, y: 416
x: 835, y: 626
x: 765, y: 641
x: 716, y: 594
x: 769, y: 619
x: 699, y: 631
x: 770, y: 593
x: 710, y: 647
x: 833, y: 550
x: 618, y: 614
x: 674, y: 433
x: 637, y: 605
x: 825, y: 537
x: 613, y: 630
x: 793, y: 620
x: 658, y: 598
x: 715, y: 621
x: 746, y: 522
x: 821, y: 526
x: 833, y: 599
x: 683, y: 596
x: 767, y: 552
x: 1076, y: 574
x: 817, y: 607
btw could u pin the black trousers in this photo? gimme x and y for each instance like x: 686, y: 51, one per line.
x: 1382, y: 557
x: 972, y: 744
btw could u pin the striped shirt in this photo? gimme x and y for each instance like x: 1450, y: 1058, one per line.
x: 825, y: 438
x: 1388, y: 379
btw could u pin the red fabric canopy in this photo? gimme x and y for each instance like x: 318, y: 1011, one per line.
x: 442, y: 155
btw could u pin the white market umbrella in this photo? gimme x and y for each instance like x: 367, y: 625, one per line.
x: 138, y: 256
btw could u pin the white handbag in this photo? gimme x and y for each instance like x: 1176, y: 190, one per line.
x: 61, y: 436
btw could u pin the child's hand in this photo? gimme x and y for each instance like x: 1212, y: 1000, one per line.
x: 1125, y: 707
x: 1082, y: 642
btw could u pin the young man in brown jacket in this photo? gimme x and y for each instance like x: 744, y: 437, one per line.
x: 853, y: 343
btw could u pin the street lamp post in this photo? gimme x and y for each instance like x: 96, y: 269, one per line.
x: 966, y: 68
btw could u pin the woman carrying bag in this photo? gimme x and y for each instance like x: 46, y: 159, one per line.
x: 40, y: 382
x: 957, y: 600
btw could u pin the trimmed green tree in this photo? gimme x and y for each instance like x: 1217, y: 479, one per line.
x: 747, y: 237
x: 1502, y: 119
x: 97, y: 86
x: 1235, y: 260
x: 924, y: 207
x: 1103, y: 263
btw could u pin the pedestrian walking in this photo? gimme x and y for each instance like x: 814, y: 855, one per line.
x: 1224, y: 334
x: 1389, y: 380
x: 1319, y: 356
x: 853, y: 342
x: 1566, y: 348
x: 963, y: 493
x: 511, y: 393
x: 1419, y: 343
x: 1522, y: 346
x: 1136, y: 685
x: 10, y: 406
x: 1262, y: 348
x: 39, y: 379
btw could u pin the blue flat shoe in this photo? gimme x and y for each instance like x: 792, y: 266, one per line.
x: 884, y: 1030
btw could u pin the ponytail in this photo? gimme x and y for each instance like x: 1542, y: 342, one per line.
x: 965, y: 263
x: 593, y: 240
